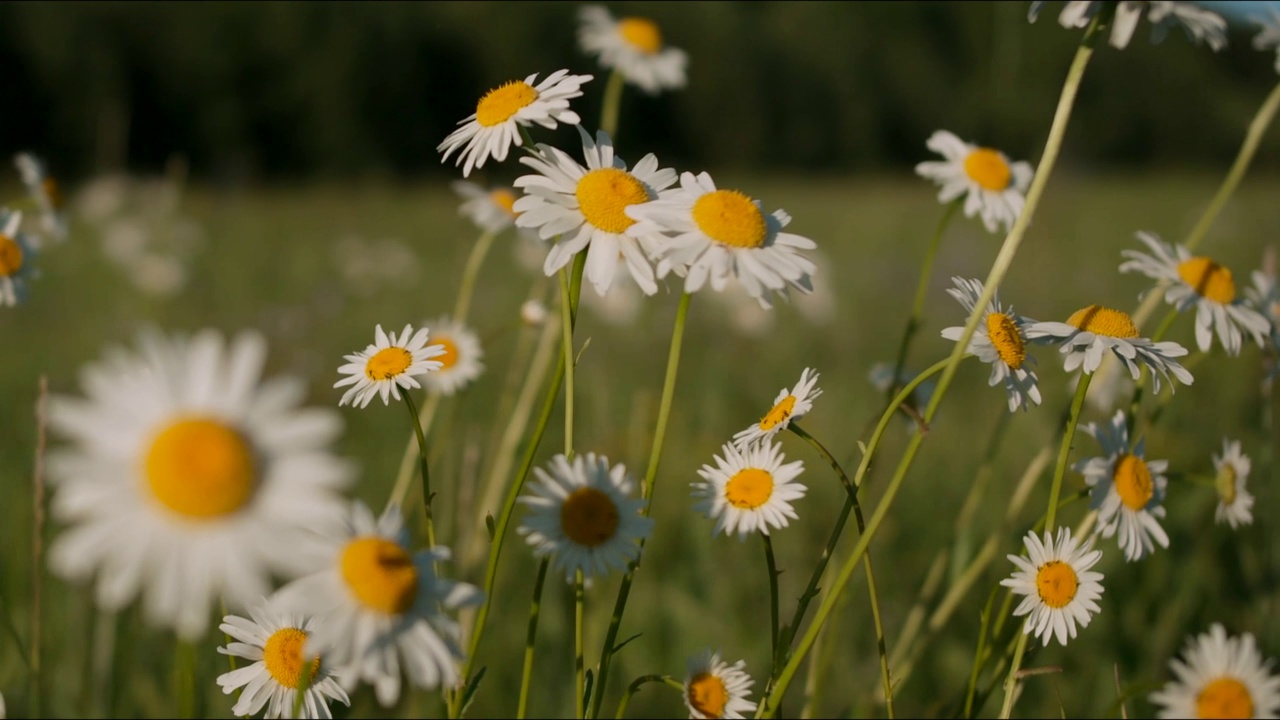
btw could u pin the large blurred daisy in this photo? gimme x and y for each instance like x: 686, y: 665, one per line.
x: 715, y: 689
x: 1235, y: 502
x: 16, y: 254
x: 388, y: 365
x: 491, y: 209
x: 1093, y: 329
x: 1127, y: 490
x: 1200, y: 24
x: 633, y: 46
x: 1219, y: 677
x: 460, y: 363
x: 1000, y: 341
x: 1060, y: 591
x: 993, y: 186
x: 749, y: 490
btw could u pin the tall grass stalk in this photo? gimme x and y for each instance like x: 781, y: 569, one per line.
x: 531, y: 637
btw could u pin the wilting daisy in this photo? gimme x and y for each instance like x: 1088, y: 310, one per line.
x: 1268, y: 37
x: 379, y: 608
x: 388, y: 365
x: 789, y: 405
x: 993, y: 186
x: 190, y: 478
x: 1092, y: 330
x: 633, y: 46
x: 749, y: 490
x: 716, y: 689
x: 587, y: 205
x: 495, y: 125
x: 460, y: 363
x: 999, y: 340
x: 721, y: 234
x: 1198, y: 280
x: 582, y: 512
x: 1060, y: 590
x: 1126, y: 489
x: 1200, y: 24
x: 44, y: 190
x: 1235, y: 503
x: 490, y: 209
x: 16, y: 253
x: 272, y: 641
x: 1220, y: 677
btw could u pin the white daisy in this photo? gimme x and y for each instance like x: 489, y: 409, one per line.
x: 749, y: 490
x: 995, y: 187
x: 1127, y: 489
x: 721, y: 234
x: 190, y: 478
x: 1220, y: 677
x: 491, y: 209
x: 1000, y: 340
x: 272, y: 642
x: 1198, y: 280
x: 1235, y: 503
x: 1060, y: 590
x: 380, y: 609
x: 45, y: 191
x: 460, y: 363
x: 587, y: 205
x: 789, y: 405
x: 388, y: 365
x: 582, y: 512
x: 1268, y: 37
x: 1092, y: 330
x: 716, y: 689
x: 16, y: 254
x: 632, y: 45
x: 1200, y: 24
x: 495, y: 125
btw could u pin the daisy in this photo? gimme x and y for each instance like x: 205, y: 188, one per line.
x: 789, y: 405
x: 1200, y: 24
x: 273, y: 642
x: 45, y: 191
x: 1060, y: 591
x: 582, y: 512
x: 1127, y: 489
x: 379, y: 608
x: 1198, y: 280
x: 587, y: 205
x: 1000, y: 340
x: 16, y: 252
x: 1268, y: 37
x: 994, y: 186
x: 1264, y: 296
x: 495, y: 125
x: 190, y: 478
x: 716, y: 689
x: 1220, y: 677
x: 490, y: 209
x: 1235, y: 503
x: 721, y: 234
x: 1094, y: 329
x: 633, y: 47
x: 460, y: 361
x: 749, y: 490
x: 388, y: 365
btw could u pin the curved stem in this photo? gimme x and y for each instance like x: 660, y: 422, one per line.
x: 579, y: 596
x: 426, y: 415
x: 427, y: 495
x: 531, y: 636
x: 635, y: 685
x: 470, y: 272
x: 612, y: 103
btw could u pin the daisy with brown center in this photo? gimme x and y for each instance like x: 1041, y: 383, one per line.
x: 587, y: 205
x: 1235, y: 502
x: 460, y: 363
x: 1127, y: 489
x: 387, y: 365
x: 1219, y: 677
x: 44, y: 189
x: 491, y: 209
x: 789, y: 405
x: 749, y: 490
x: 1061, y: 592
x: 632, y: 46
x: 993, y: 186
x: 16, y: 253
x: 716, y: 689
x: 1200, y: 24
x: 1000, y: 341
x: 1092, y: 330
x: 495, y: 125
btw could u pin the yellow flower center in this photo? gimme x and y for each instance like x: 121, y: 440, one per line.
x: 1208, y: 278
x: 729, y: 217
x: 778, y: 413
x: 388, y: 363
x: 201, y: 468
x: 988, y: 168
x: 10, y: 256
x: 641, y: 33
x: 749, y: 489
x: 1103, y: 321
x: 504, y: 199
x: 1226, y: 484
x: 1006, y: 339
x: 1225, y: 697
x: 589, y: 517
x: 708, y: 695
x: 603, y: 196
x: 1056, y: 582
x: 283, y: 657
x: 450, y: 356
x: 53, y: 192
x: 1133, y: 482
x: 499, y: 104
x: 380, y: 574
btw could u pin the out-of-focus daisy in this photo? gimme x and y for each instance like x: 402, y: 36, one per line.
x: 1061, y: 592
x: 272, y: 642
x: 1200, y: 24
x: 1092, y: 330
x: 1126, y: 489
x: 633, y: 46
x: 190, y: 478
x: 16, y: 254
x: 588, y: 206
x: 1200, y: 281
x: 721, y: 234
x: 999, y: 340
x: 388, y: 365
x: 533, y: 313
x: 490, y: 209
x: 716, y: 689
x: 790, y: 404
x: 1264, y: 295
x: 582, y: 512
x: 993, y: 186
x: 1235, y: 503
x: 1108, y: 386
x: 621, y: 306
x: 1268, y: 37
x: 379, y: 608
x: 1219, y: 677
x: 45, y: 191
x: 749, y: 490
x: 495, y: 125
x: 460, y: 363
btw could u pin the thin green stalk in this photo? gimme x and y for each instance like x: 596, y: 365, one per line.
x: 979, y: 654
x: 566, y: 342
x: 612, y: 103
x: 470, y: 272
x: 231, y: 659
x: 635, y: 685
x: 300, y: 694
x: 184, y: 679
x: 427, y: 497
x: 771, y: 566
x: 579, y: 667
x: 1011, y: 680
x: 531, y: 636
x: 1164, y: 326
x: 404, y: 477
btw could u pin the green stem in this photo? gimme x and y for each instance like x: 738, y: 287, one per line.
x: 1163, y: 328
x: 1011, y: 681
x: 979, y: 655
x: 635, y: 685
x: 566, y: 342
x: 531, y: 636
x: 579, y: 668
x: 427, y: 496
x: 772, y: 566
x: 469, y: 274
x: 404, y: 477
x: 185, y: 679
x: 612, y: 103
